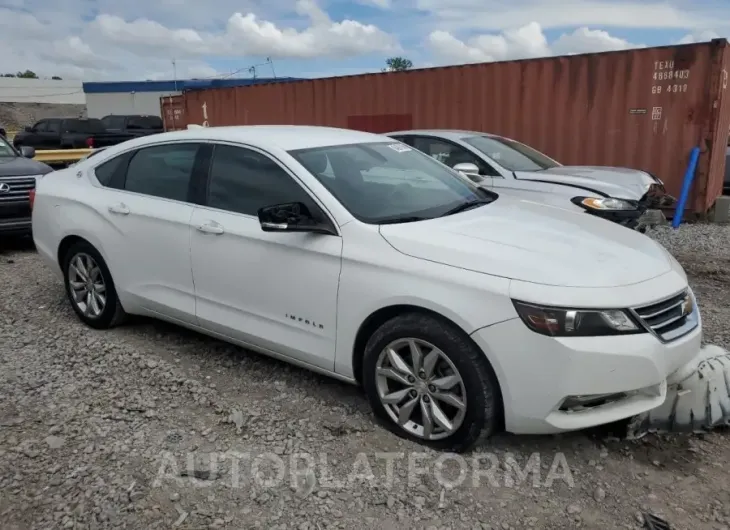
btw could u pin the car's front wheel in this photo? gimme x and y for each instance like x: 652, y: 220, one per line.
x: 430, y: 383
x: 90, y: 287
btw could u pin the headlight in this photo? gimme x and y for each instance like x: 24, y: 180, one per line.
x: 604, y: 204
x: 562, y: 322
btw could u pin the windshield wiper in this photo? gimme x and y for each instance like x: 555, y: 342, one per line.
x: 468, y: 205
x: 404, y: 219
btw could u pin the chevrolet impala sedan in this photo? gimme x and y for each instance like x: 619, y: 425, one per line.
x: 460, y: 312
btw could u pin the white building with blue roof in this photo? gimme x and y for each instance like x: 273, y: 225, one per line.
x: 143, y: 97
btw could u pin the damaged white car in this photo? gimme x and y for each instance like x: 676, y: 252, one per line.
x: 460, y: 311
x: 629, y: 197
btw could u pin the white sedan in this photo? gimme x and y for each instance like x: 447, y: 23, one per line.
x: 627, y: 196
x: 460, y: 312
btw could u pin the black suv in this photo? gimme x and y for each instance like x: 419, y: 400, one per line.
x: 18, y: 174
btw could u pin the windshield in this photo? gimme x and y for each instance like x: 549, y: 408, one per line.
x: 388, y: 182
x: 511, y: 155
x: 6, y: 150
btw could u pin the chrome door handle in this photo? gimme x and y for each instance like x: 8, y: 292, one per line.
x: 119, y: 209
x: 208, y: 228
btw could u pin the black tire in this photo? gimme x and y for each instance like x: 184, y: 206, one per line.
x: 112, y: 314
x: 483, y: 397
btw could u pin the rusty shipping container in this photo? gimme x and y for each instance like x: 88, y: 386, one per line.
x: 173, y: 113
x: 644, y: 108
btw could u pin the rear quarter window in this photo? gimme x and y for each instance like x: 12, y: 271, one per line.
x: 105, y: 172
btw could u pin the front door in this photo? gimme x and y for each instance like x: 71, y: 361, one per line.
x: 277, y: 291
x: 51, y: 139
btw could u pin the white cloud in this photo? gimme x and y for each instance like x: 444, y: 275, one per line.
x: 111, y: 45
x: 525, y: 42
x: 108, y: 39
x: 491, y: 15
x: 701, y: 36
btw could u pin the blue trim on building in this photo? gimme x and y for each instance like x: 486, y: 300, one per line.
x: 180, y: 85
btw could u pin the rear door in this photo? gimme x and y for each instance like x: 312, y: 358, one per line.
x: 147, y: 208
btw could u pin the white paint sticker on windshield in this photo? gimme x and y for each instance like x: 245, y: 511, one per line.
x: 399, y: 148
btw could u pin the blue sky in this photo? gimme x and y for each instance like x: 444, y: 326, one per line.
x: 138, y: 39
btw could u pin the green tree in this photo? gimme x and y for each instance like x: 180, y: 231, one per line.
x: 397, y: 64
x: 28, y: 74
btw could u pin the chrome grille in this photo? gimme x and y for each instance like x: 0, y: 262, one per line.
x: 671, y: 318
x: 19, y: 189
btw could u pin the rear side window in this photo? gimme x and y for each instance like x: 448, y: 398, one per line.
x: 162, y: 171
x: 113, y: 122
x: 144, y: 122
x: 83, y: 126
x: 105, y: 172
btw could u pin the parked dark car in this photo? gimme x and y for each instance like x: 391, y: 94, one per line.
x: 18, y: 175
x: 134, y: 124
x: 69, y: 133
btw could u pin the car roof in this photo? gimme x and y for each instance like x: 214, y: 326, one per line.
x: 452, y: 134
x: 285, y: 137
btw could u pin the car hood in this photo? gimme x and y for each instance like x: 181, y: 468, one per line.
x: 534, y: 242
x: 20, y: 167
x: 619, y: 182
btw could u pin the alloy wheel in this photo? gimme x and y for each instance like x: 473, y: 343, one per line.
x: 420, y: 388
x: 87, y: 286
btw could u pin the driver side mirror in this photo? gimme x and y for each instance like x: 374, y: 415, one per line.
x: 27, y: 151
x: 28, y: 128
x: 291, y: 217
x: 467, y: 168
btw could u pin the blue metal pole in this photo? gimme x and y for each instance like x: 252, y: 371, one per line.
x: 686, y: 185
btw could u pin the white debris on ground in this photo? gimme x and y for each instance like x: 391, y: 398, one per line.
x: 117, y: 430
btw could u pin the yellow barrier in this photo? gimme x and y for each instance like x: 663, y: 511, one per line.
x: 61, y: 155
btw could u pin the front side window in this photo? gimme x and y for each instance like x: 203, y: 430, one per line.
x: 161, y: 171
x: 54, y: 126
x: 243, y: 181
x: 388, y: 181
x: 40, y: 126
x: 511, y: 155
x: 451, y: 154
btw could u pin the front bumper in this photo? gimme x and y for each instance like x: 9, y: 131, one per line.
x: 15, y: 225
x: 537, y: 374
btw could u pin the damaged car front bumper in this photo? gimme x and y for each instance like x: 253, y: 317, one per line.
x: 697, y: 398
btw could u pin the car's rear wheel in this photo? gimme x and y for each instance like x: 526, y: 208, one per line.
x: 90, y: 287
x: 430, y: 383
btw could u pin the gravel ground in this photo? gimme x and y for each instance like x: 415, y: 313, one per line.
x: 151, y: 426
